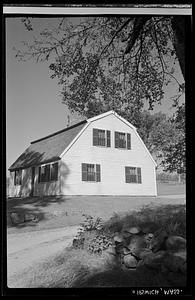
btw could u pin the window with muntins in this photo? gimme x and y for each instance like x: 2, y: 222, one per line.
x: 91, y: 172
x: 18, y: 177
x: 122, y: 140
x: 48, y: 173
x: 101, y: 137
x: 133, y: 175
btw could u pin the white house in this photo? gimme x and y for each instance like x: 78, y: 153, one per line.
x: 103, y: 155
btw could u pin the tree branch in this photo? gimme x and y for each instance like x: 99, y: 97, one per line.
x: 116, y: 33
x: 138, y: 26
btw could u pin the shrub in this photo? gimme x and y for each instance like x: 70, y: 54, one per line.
x: 91, y: 236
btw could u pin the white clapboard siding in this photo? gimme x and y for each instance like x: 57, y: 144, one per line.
x: 112, y: 161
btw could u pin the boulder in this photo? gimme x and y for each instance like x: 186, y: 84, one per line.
x: 173, y: 262
x: 137, y: 244
x: 132, y: 230
x: 126, y: 234
x: 145, y: 253
x: 158, y: 241
x: 118, y: 238
x: 17, y: 218
x: 126, y: 251
x: 119, y: 249
x: 154, y: 260
x: 111, y: 250
x: 130, y: 261
x: 175, y: 242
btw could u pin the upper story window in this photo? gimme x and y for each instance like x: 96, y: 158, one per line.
x: 18, y: 177
x: 133, y: 175
x: 91, y: 172
x: 101, y: 137
x: 48, y: 173
x: 122, y: 140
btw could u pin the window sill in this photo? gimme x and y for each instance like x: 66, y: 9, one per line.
x: 101, y: 146
x: 122, y: 148
x: 134, y: 182
x: 91, y: 181
x: 47, y: 181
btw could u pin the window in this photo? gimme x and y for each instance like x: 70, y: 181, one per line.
x: 54, y: 171
x: 48, y: 173
x: 18, y: 177
x: 122, y: 140
x: 91, y: 172
x: 101, y: 137
x: 133, y: 175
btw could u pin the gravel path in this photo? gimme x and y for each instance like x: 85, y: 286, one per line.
x: 30, y: 248
x: 27, y: 249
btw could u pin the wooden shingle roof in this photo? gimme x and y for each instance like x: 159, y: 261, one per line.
x: 47, y: 149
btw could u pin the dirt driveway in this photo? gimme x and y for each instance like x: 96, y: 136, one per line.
x: 27, y: 249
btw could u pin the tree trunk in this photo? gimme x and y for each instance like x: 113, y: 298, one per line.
x: 178, y: 26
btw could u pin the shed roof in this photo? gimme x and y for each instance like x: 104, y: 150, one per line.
x: 47, y: 149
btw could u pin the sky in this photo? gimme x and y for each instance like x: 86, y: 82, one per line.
x: 33, y: 101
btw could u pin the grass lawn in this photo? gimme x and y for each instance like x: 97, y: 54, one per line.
x: 170, y: 188
x: 55, y: 212
x: 79, y: 268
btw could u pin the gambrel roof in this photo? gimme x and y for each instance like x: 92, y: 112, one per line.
x: 52, y: 147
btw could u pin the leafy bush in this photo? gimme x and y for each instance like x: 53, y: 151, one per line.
x: 91, y: 236
x: 91, y: 224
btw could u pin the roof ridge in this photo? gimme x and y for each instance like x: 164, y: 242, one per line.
x: 60, y: 131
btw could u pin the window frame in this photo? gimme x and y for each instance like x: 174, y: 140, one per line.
x: 99, y: 141
x: 128, y: 176
x: 47, y: 175
x: 85, y: 173
x: 118, y: 141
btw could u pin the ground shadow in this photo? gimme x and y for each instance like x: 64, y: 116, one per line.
x: 19, y: 209
x: 142, y: 277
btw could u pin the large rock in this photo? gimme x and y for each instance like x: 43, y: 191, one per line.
x: 17, y: 218
x: 132, y: 230
x: 174, y: 262
x: 110, y: 255
x: 111, y: 250
x: 118, y: 238
x: 175, y: 242
x: 120, y: 248
x: 158, y: 241
x: 137, y: 244
x: 130, y: 261
x: 154, y: 260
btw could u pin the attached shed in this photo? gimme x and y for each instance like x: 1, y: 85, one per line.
x: 103, y: 155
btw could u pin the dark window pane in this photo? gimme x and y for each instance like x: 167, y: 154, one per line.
x: 90, y: 172
x: 128, y: 141
x: 54, y: 172
x: 47, y: 173
x: 116, y: 135
x: 98, y: 176
x: 122, y: 140
x: 108, y: 138
x: 39, y: 178
x: 139, y: 178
